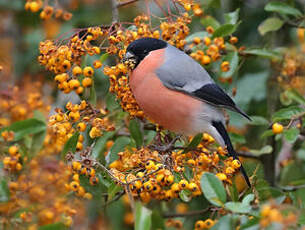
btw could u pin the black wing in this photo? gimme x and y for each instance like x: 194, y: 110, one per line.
x: 213, y: 94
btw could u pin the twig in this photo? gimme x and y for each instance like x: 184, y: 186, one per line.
x: 121, y: 4
x: 191, y: 213
x: 291, y: 188
x: 248, y: 155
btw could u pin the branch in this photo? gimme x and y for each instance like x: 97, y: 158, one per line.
x: 115, y: 11
x: 191, y: 213
x: 248, y: 155
x: 125, y: 3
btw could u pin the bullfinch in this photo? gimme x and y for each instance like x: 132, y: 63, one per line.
x: 177, y: 93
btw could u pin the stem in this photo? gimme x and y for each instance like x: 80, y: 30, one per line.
x: 191, y: 213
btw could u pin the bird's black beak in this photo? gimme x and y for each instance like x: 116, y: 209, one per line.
x: 130, y: 60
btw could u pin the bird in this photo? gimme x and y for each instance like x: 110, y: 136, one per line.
x: 176, y: 92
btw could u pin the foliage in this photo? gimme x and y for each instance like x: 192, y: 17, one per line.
x: 77, y: 151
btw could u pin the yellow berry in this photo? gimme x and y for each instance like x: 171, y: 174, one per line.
x: 277, y: 128
x: 74, y: 185
x: 199, y: 224
x: 97, y: 64
x: 13, y: 150
x: 87, y: 82
x: 196, y: 40
x: 225, y: 66
x: 88, y: 71
x: 236, y: 164
x: 221, y: 176
x: 73, y: 84
x: 79, y: 90
x: 77, y: 71
x: 81, y: 126
x: 183, y: 184
x: 34, y: 7
x: 233, y: 40
x: 88, y: 196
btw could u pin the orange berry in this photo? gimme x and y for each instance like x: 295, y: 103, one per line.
x: 199, y: 224
x: 196, y: 40
x: 13, y: 150
x: 66, y: 65
x: 225, y: 66
x: 236, y: 164
x: 221, y: 176
x: 88, y: 71
x: 34, y: 7
x: 74, y: 84
x: 210, y: 29
x: 206, y: 60
x: 277, y: 128
x: 77, y: 71
x: 97, y: 64
x: 79, y: 90
x: 207, y: 41
x: 87, y: 82
x: 81, y: 126
x: 74, y: 185
x: 233, y: 40
x: 183, y: 184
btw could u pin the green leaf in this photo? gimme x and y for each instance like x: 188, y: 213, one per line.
x: 232, y: 17
x: 233, y: 59
x: 70, y: 145
x: 104, y: 57
x: 4, y: 191
x: 142, y: 217
x: 25, y: 127
x: 113, y: 189
x: 267, y: 133
x: 285, y: 100
x: 213, y: 189
x: 264, y: 150
x: 270, y: 54
x: 157, y: 220
x: 100, y: 144
x: 301, y: 154
x: 291, y: 135
x: 200, y: 34
x: 236, y: 138
x: 238, y: 207
x: 185, y: 195
x: 288, y: 113
x: 111, y: 102
x: 92, y: 97
x: 135, y: 132
x: 209, y: 21
x: 206, y: 4
x: 258, y: 120
x: 55, y: 226
x: 38, y: 138
x: 270, y: 24
x: 248, y: 199
x: 224, y: 223
x: 225, y: 30
x: 118, y: 146
x: 194, y: 143
x: 295, y: 96
x: 282, y: 8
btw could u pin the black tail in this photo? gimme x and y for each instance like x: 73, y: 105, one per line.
x: 222, y: 131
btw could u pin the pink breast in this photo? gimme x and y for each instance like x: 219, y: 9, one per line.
x: 171, y: 109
